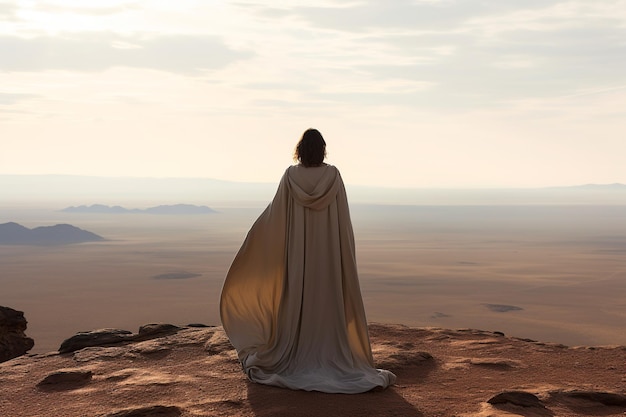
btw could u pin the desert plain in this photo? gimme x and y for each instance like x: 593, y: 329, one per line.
x: 554, y: 273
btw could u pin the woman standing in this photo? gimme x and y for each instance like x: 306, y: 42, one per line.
x: 291, y: 303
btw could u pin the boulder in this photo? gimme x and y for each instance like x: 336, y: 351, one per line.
x: 13, y: 340
x: 600, y: 397
x: 151, y: 411
x: 101, y: 337
x: 109, y: 337
x: 519, y: 398
x: 65, y: 380
x: 154, y: 330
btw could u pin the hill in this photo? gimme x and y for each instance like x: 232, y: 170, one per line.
x: 168, y: 371
x: 178, y: 209
x: 612, y: 187
x: 61, y: 234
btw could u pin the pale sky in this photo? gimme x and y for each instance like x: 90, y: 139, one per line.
x: 426, y: 93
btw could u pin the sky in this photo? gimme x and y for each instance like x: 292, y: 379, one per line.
x: 425, y: 93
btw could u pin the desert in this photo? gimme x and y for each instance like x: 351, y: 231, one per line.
x: 522, y: 306
x: 561, y: 269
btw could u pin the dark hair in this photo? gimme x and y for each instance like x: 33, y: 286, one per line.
x: 311, y: 150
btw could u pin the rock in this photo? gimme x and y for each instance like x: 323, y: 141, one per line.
x: 218, y: 343
x: 153, y: 330
x: 152, y: 411
x: 99, y: 353
x: 604, y: 398
x: 13, y: 340
x: 65, y: 380
x: 154, y: 349
x: 496, y: 363
x: 99, y: 337
x: 405, y: 358
x: 519, y: 398
x: 105, y: 337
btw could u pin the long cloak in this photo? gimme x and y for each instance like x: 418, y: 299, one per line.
x: 291, y: 303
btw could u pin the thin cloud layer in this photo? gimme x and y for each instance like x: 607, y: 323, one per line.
x: 182, y: 54
x: 446, y: 53
x: 474, y: 52
x: 90, y: 10
x: 459, y: 91
x: 8, y: 99
x: 7, y: 11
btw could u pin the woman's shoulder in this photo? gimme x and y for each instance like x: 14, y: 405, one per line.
x: 300, y: 171
x: 300, y: 166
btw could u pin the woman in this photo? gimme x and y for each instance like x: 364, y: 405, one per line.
x: 291, y: 303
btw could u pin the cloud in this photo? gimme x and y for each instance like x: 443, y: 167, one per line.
x: 472, y: 52
x: 7, y: 99
x: 8, y: 11
x: 185, y: 54
x: 416, y: 53
x: 363, y: 16
x: 89, y: 9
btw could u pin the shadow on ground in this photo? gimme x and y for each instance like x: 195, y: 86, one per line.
x: 268, y: 401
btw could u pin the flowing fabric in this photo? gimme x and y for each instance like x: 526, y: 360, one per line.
x: 291, y: 303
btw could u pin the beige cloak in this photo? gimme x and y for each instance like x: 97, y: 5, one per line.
x: 291, y: 303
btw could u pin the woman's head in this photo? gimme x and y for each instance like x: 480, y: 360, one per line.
x: 311, y: 150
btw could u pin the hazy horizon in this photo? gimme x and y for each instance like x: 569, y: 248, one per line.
x: 226, y: 180
x: 75, y: 190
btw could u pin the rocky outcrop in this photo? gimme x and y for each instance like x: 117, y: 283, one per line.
x: 65, y: 380
x: 578, y: 402
x: 169, y: 371
x: 519, y: 398
x: 152, y: 411
x: 106, y: 337
x: 588, y: 397
x: 13, y: 340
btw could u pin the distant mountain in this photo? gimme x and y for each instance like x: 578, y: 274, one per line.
x: 615, y: 186
x: 163, y: 209
x: 97, y: 208
x: 179, y: 209
x: 60, y: 234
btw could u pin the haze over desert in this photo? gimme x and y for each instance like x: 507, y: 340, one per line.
x: 555, y: 273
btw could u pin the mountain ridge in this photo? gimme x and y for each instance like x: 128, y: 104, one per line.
x: 12, y: 233
x: 161, y: 209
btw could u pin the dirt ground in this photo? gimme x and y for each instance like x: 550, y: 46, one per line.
x: 441, y: 372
